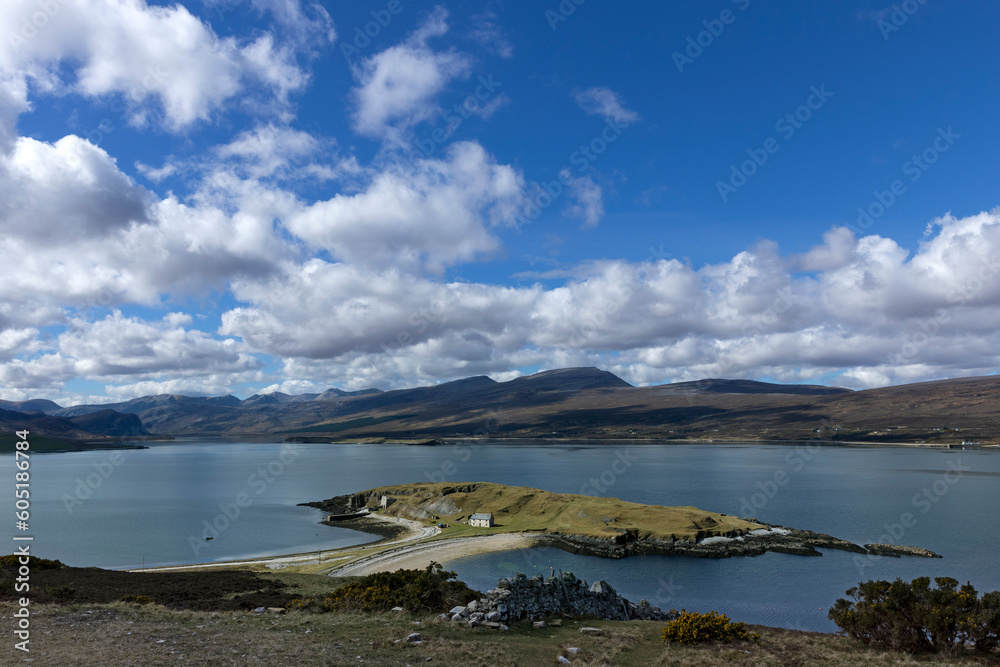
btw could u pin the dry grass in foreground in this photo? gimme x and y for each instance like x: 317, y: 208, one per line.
x: 120, y: 634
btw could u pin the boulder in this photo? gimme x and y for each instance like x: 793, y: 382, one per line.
x: 602, y: 588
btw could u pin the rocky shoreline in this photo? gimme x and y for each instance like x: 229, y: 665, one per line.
x: 776, y: 538
x: 897, y: 550
x: 705, y: 543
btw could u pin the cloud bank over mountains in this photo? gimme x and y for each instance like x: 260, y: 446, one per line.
x: 248, y: 281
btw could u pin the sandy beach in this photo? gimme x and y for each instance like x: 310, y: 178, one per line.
x: 419, y: 556
x: 406, y: 552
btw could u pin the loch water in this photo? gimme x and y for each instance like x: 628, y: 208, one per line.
x: 155, y: 506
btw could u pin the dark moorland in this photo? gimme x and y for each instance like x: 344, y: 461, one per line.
x: 564, y: 403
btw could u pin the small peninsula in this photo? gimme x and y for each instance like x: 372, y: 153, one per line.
x: 597, y: 526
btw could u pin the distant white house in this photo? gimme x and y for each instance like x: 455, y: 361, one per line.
x: 480, y: 520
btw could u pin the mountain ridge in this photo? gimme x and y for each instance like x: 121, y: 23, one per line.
x: 571, y: 403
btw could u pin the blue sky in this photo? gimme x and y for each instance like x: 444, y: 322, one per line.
x: 235, y: 196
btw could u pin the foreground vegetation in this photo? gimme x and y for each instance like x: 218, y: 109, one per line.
x: 206, y: 618
x: 133, y: 634
x: 916, y: 617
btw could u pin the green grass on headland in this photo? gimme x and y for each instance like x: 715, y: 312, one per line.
x: 522, y: 509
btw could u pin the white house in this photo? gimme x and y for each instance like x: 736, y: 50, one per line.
x: 480, y: 520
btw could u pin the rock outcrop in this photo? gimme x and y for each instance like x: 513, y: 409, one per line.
x: 755, y: 543
x: 897, y: 550
x: 520, y: 598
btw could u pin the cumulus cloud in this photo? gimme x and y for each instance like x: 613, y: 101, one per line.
x: 120, y: 348
x: 360, y: 286
x: 329, y: 311
x: 428, y: 213
x: 139, y: 52
x: 397, y: 87
x: 83, y: 235
x: 602, y: 101
x: 758, y: 315
x: 66, y: 191
x: 269, y: 149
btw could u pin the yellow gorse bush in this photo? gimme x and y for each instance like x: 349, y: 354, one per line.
x: 695, y: 628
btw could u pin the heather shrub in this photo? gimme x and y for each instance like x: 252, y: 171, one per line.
x: 915, y: 617
x: 694, y: 628
x: 14, y: 560
x: 136, y: 599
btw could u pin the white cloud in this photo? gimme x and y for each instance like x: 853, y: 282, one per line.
x: 63, y: 192
x: 327, y: 311
x: 587, y: 199
x: 602, y: 101
x: 140, y: 52
x: 754, y: 316
x: 83, y: 235
x: 397, y: 87
x: 119, y: 348
x: 486, y: 31
x: 428, y: 213
x: 268, y: 149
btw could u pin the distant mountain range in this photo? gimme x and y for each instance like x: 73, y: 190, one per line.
x: 570, y: 402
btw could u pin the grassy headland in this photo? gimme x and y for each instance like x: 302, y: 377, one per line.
x: 519, y: 509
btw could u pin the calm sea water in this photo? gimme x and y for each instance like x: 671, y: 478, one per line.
x: 155, y: 506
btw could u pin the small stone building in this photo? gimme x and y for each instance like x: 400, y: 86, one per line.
x: 481, y: 520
